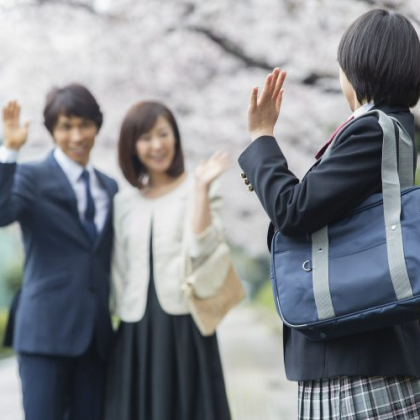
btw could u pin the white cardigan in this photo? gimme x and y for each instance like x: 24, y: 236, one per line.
x: 133, y: 216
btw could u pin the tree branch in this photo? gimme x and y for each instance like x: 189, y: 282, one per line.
x: 70, y: 3
x: 233, y: 49
x: 89, y: 8
x: 392, y: 6
x: 379, y: 3
x: 312, y: 79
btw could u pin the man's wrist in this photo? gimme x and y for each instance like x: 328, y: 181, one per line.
x: 11, y: 145
x: 7, y: 154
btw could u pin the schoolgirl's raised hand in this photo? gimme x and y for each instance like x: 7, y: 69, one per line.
x: 14, y: 134
x: 264, y: 110
x: 208, y: 170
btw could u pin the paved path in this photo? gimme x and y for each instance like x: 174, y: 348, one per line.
x: 252, y: 353
x: 10, y: 397
x: 251, y: 348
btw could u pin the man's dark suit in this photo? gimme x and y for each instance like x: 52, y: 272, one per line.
x: 327, y: 193
x: 64, y: 305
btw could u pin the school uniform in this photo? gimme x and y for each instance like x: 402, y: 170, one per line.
x: 330, y: 191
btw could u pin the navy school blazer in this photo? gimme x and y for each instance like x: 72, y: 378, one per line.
x: 64, y: 303
x: 327, y: 193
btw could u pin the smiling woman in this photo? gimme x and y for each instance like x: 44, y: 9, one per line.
x: 156, y: 148
x: 162, y: 368
x: 151, y: 144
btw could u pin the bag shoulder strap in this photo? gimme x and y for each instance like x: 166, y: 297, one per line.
x: 397, y: 172
x: 404, y: 142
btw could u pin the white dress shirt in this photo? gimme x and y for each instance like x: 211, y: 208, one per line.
x: 73, y: 171
x: 8, y: 155
x: 362, y: 110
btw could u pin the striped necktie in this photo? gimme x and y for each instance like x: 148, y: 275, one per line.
x: 89, y: 221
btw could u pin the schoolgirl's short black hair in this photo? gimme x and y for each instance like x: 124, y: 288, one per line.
x: 380, y: 55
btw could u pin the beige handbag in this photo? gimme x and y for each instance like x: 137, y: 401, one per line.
x: 212, y: 288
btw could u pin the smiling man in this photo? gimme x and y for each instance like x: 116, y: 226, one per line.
x: 62, y: 332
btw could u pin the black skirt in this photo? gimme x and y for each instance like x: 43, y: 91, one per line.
x: 164, y: 369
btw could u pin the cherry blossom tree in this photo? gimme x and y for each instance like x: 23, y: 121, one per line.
x: 200, y: 58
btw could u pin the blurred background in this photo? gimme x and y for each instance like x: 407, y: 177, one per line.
x: 201, y: 58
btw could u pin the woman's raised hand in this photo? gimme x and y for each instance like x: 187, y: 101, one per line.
x: 14, y: 134
x: 208, y: 170
x: 263, y: 111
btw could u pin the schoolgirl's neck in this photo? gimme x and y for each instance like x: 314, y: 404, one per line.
x: 355, y: 104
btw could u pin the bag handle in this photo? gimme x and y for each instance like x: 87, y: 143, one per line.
x: 397, y: 171
x: 186, y: 263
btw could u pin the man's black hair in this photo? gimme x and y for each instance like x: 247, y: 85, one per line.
x: 71, y: 100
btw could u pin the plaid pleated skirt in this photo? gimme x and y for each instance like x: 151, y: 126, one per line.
x: 360, y: 398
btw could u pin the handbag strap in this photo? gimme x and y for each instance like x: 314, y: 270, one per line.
x: 186, y: 263
x: 397, y: 170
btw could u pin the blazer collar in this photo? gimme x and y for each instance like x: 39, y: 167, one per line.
x: 72, y: 169
x: 106, y: 184
x: 61, y: 181
x: 405, y: 111
x: 391, y: 109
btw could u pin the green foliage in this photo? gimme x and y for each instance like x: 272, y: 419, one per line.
x: 3, y: 321
x: 417, y: 136
x: 417, y: 142
x: 4, y: 352
x: 265, y: 298
x: 253, y: 271
x: 13, y: 277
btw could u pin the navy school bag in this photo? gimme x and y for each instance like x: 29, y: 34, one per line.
x: 363, y: 272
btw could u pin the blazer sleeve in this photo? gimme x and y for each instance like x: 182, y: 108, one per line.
x: 17, y: 192
x: 203, y: 244
x: 328, y: 192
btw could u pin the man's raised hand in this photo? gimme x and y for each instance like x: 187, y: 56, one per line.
x: 15, y: 135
